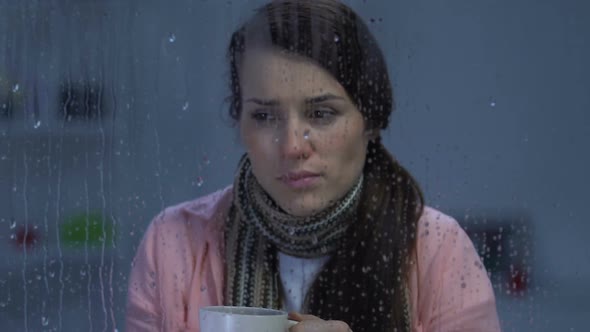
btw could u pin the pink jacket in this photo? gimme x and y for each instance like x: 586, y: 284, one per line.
x: 178, y: 268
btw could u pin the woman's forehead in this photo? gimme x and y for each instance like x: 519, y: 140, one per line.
x: 266, y: 71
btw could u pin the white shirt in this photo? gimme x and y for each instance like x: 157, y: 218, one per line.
x: 297, y: 275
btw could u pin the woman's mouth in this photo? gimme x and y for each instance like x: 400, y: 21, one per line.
x: 301, y: 179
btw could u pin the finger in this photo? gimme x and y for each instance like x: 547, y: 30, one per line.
x: 301, y: 317
x: 320, y: 326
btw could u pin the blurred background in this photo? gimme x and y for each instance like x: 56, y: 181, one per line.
x: 111, y: 110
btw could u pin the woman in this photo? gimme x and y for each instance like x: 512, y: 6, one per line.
x: 321, y: 220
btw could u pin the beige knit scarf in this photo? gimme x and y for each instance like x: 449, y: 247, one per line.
x: 257, y: 228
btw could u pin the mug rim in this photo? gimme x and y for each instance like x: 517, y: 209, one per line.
x: 243, y: 310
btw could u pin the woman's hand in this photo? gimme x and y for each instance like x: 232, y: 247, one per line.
x: 310, y: 323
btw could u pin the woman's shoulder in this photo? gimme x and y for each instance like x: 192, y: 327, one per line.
x: 439, y: 235
x: 451, y: 287
x: 433, y: 221
x: 205, y: 213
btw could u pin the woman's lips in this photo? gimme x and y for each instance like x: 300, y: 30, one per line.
x: 300, y: 180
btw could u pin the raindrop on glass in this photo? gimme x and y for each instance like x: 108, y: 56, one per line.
x: 206, y: 160
x: 185, y: 106
x: 306, y: 134
x: 200, y: 181
x: 37, y: 124
x: 314, y: 239
x: 13, y: 224
x: 44, y: 321
x: 172, y: 38
x: 15, y: 88
x: 336, y: 38
x: 492, y: 103
x: 82, y: 273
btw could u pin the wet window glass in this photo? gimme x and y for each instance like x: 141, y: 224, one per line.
x: 334, y: 157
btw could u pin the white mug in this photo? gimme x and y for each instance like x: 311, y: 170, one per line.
x: 243, y: 319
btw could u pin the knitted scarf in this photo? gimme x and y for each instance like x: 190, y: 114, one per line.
x: 257, y: 227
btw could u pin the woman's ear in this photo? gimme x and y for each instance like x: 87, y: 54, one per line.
x: 372, y: 134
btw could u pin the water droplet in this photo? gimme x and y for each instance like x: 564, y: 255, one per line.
x: 15, y: 88
x: 13, y: 224
x: 276, y: 140
x: 291, y: 230
x: 51, y: 274
x: 172, y: 38
x: 12, y: 236
x: 82, y: 273
x: 493, y: 103
x: 38, y: 277
x: 306, y: 135
x: 200, y: 181
x: 336, y: 38
x: 44, y: 321
x: 2, y: 304
x: 206, y: 160
x: 185, y: 106
x: 203, y: 288
x: 37, y: 124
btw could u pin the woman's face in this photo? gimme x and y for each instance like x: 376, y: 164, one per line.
x: 305, y: 138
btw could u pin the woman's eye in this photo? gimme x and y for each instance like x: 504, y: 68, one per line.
x: 263, y: 116
x: 322, y: 114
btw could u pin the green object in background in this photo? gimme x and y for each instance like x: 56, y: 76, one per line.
x: 83, y: 230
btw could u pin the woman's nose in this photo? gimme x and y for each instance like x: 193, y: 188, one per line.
x: 294, y: 142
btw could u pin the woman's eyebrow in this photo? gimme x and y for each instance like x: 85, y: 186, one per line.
x: 323, y: 98
x: 263, y: 102
x: 310, y: 100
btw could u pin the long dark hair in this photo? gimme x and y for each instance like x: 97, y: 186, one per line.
x: 365, y: 282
